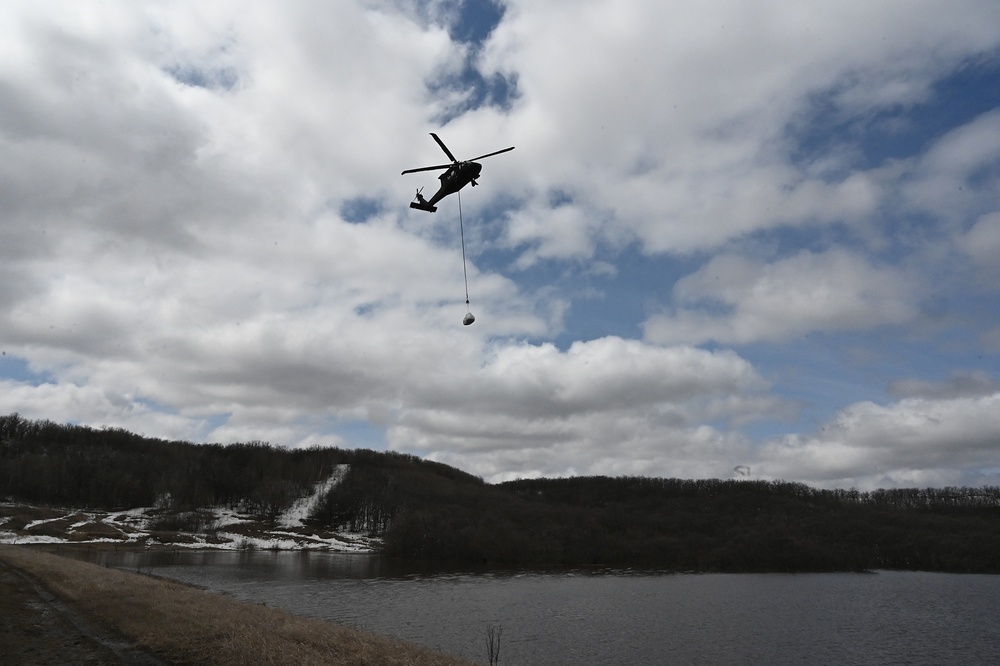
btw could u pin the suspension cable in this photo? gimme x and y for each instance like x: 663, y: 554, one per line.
x: 461, y: 227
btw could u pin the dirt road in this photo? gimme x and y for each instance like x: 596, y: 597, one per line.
x: 36, y: 628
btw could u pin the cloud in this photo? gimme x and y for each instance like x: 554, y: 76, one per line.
x: 735, y: 300
x: 914, y: 442
x: 959, y: 385
x: 92, y: 405
x: 563, y: 233
x: 692, y: 116
x: 534, y: 407
x: 981, y: 243
x: 956, y: 178
x: 205, y: 234
x: 537, y: 408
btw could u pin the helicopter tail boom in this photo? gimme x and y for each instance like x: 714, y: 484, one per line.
x: 423, y: 205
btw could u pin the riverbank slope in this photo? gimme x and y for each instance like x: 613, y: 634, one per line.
x: 104, y: 615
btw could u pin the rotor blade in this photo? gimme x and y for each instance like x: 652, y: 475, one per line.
x: 505, y: 150
x: 430, y: 168
x: 444, y: 147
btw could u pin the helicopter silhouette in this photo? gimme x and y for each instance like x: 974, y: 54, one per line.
x: 458, y: 175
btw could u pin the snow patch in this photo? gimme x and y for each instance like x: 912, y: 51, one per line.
x: 229, y: 529
x: 36, y: 523
x: 302, y: 507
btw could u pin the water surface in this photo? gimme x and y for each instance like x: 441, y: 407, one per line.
x: 618, y: 617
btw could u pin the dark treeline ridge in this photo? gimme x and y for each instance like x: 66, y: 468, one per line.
x: 42, y: 462
x: 429, y: 511
x: 748, y: 525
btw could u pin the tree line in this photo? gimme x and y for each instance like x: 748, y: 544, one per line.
x: 430, y: 511
x: 42, y: 462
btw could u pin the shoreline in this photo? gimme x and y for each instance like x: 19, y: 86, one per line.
x: 118, y: 614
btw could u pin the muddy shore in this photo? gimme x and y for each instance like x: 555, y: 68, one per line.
x: 55, y: 610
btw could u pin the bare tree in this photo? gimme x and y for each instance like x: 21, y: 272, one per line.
x: 493, y: 634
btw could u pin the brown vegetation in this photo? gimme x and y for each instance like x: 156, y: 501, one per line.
x: 184, y: 625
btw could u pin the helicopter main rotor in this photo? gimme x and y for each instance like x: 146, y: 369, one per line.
x: 454, y: 161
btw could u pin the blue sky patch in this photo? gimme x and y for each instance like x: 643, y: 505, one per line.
x: 476, y: 20
x: 360, y: 209
x: 221, y: 78
x: 17, y: 369
x: 900, y: 131
x: 476, y: 91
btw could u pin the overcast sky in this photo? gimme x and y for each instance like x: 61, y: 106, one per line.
x: 735, y: 238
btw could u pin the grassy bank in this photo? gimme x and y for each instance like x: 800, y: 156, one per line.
x: 184, y: 625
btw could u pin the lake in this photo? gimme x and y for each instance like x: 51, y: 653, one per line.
x: 623, y: 617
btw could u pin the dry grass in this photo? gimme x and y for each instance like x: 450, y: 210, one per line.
x: 189, y: 626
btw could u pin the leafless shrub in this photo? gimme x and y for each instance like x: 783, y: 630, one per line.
x: 493, y: 634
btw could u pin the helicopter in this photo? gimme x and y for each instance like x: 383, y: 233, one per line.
x: 457, y: 176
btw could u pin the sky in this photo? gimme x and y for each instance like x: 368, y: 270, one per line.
x: 734, y: 240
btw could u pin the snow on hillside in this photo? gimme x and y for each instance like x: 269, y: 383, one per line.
x: 294, y: 516
x: 222, y: 528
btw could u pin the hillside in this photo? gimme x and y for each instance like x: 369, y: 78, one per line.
x: 407, y: 507
x: 216, y: 528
